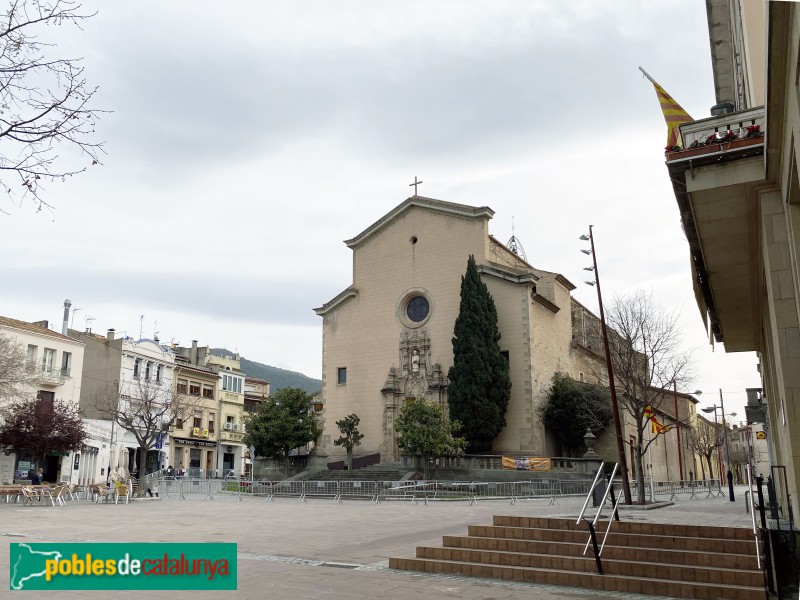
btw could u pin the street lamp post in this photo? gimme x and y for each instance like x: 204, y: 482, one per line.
x: 678, y: 428
x: 725, y: 440
x: 626, y: 487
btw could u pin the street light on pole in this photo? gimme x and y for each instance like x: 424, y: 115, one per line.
x: 626, y: 487
x: 725, y: 440
x: 678, y: 423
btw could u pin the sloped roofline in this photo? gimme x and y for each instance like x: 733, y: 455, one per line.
x: 35, y: 329
x: 443, y: 206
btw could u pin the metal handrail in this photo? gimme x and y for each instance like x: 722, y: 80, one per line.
x: 598, y: 551
x: 752, y: 504
x: 589, y: 495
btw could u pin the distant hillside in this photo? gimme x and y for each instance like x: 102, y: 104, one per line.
x: 278, y: 378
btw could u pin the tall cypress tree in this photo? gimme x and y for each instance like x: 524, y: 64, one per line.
x: 479, y: 387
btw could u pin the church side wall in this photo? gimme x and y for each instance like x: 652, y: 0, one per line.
x: 514, y: 316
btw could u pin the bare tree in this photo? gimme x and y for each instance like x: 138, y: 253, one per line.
x: 146, y: 409
x: 647, y: 357
x: 15, y: 376
x: 44, y: 100
x: 703, y: 439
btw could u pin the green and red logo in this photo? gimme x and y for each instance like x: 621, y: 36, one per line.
x: 98, y: 566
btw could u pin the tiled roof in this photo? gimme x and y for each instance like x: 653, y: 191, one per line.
x: 33, y: 328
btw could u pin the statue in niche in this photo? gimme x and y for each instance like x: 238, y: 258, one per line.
x: 415, y: 361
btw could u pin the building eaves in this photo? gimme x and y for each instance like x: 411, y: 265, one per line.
x: 182, y: 367
x: 340, y: 298
x: 35, y: 329
x: 433, y: 204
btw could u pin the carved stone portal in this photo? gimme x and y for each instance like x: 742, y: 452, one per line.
x: 416, y: 378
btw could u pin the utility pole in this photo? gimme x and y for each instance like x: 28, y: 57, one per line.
x: 626, y: 487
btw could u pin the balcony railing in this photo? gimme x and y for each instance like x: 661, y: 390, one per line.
x: 47, y: 375
x: 721, y: 134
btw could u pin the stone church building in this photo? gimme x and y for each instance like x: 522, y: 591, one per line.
x: 388, y: 336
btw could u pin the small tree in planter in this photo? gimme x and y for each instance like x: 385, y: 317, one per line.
x: 351, y: 436
x: 423, y: 430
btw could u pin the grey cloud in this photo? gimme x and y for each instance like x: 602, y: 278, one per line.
x: 212, y: 295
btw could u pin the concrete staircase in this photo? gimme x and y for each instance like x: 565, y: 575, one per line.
x: 641, y: 558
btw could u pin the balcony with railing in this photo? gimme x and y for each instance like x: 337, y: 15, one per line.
x: 47, y: 375
x: 724, y: 136
x: 716, y: 177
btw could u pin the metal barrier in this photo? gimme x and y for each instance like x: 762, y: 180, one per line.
x: 320, y: 489
x: 359, y: 489
x: 416, y: 491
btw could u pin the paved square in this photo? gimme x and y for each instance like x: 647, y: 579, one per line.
x: 283, y: 544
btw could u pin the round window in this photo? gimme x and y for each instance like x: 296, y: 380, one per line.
x: 417, y: 309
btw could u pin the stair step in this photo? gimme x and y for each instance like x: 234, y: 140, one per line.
x: 669, y: 542
x: 586, y: 564
x: 720, y: 560
x: 609, y: 582
x: 634, y: 527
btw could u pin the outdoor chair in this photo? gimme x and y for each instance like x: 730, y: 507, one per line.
x: 59, y: 493
x: 73, y: 491
x: 38, y: 494
x: 123, y: 492
x: 103, y: 493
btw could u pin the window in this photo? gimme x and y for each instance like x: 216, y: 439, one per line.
x: 159, y: 373
x: 198, y: 420
x: 147, y: 368
x: 341, y: 375
x: 417, y: 309
x: 194, y: 388
x: 136, y: 367
x: 182, y: 386
x: 178, y: 423
x: 505, y: 354
x: 48, y: 360
x: 232, y: 384
x: 66, y: 363
x: 229, y: 420
x: 208, y: 391
x: 210, y: 422
x: 31, y: 356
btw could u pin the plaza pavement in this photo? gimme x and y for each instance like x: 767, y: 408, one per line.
x: 282, y: 544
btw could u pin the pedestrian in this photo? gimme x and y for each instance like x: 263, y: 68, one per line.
x: 37, y: 477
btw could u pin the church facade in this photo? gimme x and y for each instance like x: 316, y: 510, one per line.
x: 388, y: 336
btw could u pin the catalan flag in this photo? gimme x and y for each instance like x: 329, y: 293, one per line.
x: 674, y: 114
x: 659, y: 428
x: 649, y: 413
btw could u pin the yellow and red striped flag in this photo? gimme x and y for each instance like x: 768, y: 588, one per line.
x: 674, y: 114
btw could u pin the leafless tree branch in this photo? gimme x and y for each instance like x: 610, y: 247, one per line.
x: 45, y: 103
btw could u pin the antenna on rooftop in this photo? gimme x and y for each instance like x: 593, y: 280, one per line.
x: 87, y: 320
x: 515, y: 245
x: 141, y: 326
x: 155, y: 330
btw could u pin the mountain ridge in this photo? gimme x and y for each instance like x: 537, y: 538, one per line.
x: 278, y: 378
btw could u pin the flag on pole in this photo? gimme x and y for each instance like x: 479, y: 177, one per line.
x: 674, y: 114
x: 649, y: 413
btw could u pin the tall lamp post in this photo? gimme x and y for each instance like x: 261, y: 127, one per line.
x: 678, y: 423
x: 626, y: 486
x: 725, y: 439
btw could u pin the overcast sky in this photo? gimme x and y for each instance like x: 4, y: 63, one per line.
x: 247, y: 142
